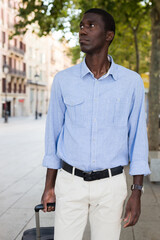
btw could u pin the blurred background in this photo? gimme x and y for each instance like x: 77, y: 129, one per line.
x: 38, y: 38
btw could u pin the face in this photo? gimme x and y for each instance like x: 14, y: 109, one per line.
x: 92, y: 34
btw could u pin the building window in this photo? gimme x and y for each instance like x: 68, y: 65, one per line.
x: 30, y: 72
x: 21, y: 45
x: 24, y: 67
x: 3, y: 38
x: 24, y: 47
x: 4, y: 59
x: 9, y: 87
x: 20, y: 88
x: 15, y: 42
x: 10, y: 62
x: 15, y: 87
x: 3, y: 85
x: 14, y: 63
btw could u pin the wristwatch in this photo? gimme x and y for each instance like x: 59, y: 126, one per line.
x: 138, y: 187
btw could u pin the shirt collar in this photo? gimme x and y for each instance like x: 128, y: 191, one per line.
x: 112, y: 70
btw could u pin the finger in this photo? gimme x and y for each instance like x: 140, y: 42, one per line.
x: 127, y: 216
x: 133, y: 218
x: 51, y: 209
x: 136, y: 220
x: 44, y: 206
x: 127, y: 220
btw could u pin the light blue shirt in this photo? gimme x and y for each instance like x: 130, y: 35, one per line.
x: 94, y: 124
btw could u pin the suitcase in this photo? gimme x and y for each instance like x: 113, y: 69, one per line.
x: 39, y: 233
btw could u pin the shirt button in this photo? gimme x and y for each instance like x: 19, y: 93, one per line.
x: 94, y: 119
x: 93, y: 161
x: 93, y: 139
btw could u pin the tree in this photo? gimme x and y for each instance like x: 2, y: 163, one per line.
x: 130, y: 17
x: 154, y: 91
x: 47, y: 14
x: 132, y: 29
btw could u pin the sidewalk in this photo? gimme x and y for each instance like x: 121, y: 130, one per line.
x: 22, y: 180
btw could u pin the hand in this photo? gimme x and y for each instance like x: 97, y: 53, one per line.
x: 48, y: 197
x: 133, y: 209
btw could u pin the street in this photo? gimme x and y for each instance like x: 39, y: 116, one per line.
x: 22, y: 180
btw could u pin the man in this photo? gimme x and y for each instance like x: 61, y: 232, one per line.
x: 95, y: 125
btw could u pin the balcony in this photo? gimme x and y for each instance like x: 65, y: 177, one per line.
x: 16, y: 51
x: 42, y: 84
x: 17, y: 73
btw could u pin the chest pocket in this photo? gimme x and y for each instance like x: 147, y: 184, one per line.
x: 75, y: 108
x: 121, y: 112
x: 115, y: 112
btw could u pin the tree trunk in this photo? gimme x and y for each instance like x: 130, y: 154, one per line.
x: 136, y: 48
x: 153, y: 125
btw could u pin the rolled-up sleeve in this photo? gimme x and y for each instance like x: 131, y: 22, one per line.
x: 137, y: 134
x: 54, y: 123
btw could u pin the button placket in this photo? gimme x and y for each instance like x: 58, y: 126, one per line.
x: 94, y: 124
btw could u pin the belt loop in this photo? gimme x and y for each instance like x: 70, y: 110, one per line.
x: 109, y: 171
x: 73, y: 171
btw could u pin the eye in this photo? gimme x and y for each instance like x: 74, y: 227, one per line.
x: 81, y: 26
x: 92, y: 25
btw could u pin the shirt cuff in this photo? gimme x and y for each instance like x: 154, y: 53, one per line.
x: 52, y: 162
x: 139, y: 167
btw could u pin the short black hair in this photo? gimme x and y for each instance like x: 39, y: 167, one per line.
x: 106, y: 17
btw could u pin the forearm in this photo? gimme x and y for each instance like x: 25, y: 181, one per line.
x: 133, y: 207
x: 138, y: 179
x: 50, y: 178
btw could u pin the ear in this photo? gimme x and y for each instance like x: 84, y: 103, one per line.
x: 109, y: 36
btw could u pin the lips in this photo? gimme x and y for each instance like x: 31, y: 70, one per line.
x: 83, y: 40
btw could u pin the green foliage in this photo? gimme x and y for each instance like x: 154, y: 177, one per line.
x: 123, y: 48
x: 46, y: 14
x: 131, y: 16
x: 75, y: 53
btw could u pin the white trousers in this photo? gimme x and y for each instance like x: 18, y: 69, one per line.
x: 102, y: 200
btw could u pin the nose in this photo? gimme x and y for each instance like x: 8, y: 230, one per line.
x: 83, y: 31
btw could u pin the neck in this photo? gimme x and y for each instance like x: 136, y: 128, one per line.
x: 98, y: 63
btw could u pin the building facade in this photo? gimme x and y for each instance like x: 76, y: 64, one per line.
x: 12, y: 53
x: 33, y: 63
x: 44, y: 57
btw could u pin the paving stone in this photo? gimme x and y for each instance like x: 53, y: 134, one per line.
x: 147, y: 230
x: 126, y: 234
x: 12, y: 222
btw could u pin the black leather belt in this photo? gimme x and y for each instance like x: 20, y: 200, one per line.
x: 92, y: 175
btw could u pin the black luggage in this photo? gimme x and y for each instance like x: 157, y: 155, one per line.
x: 39, y: 233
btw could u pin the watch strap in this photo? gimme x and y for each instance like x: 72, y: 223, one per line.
x: 138, y: 187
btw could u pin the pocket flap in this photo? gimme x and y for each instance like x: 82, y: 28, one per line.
x: 72, y: 101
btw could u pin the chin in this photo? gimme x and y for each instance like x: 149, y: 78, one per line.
x: 86, y: 50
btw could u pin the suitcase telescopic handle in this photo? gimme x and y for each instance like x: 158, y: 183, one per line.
x: 40, y: 206
x: 37, y: 209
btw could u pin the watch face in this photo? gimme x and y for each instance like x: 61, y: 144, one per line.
x: 138, y: 187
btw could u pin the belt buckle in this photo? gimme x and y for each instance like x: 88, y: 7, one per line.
x: 89, y: 176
